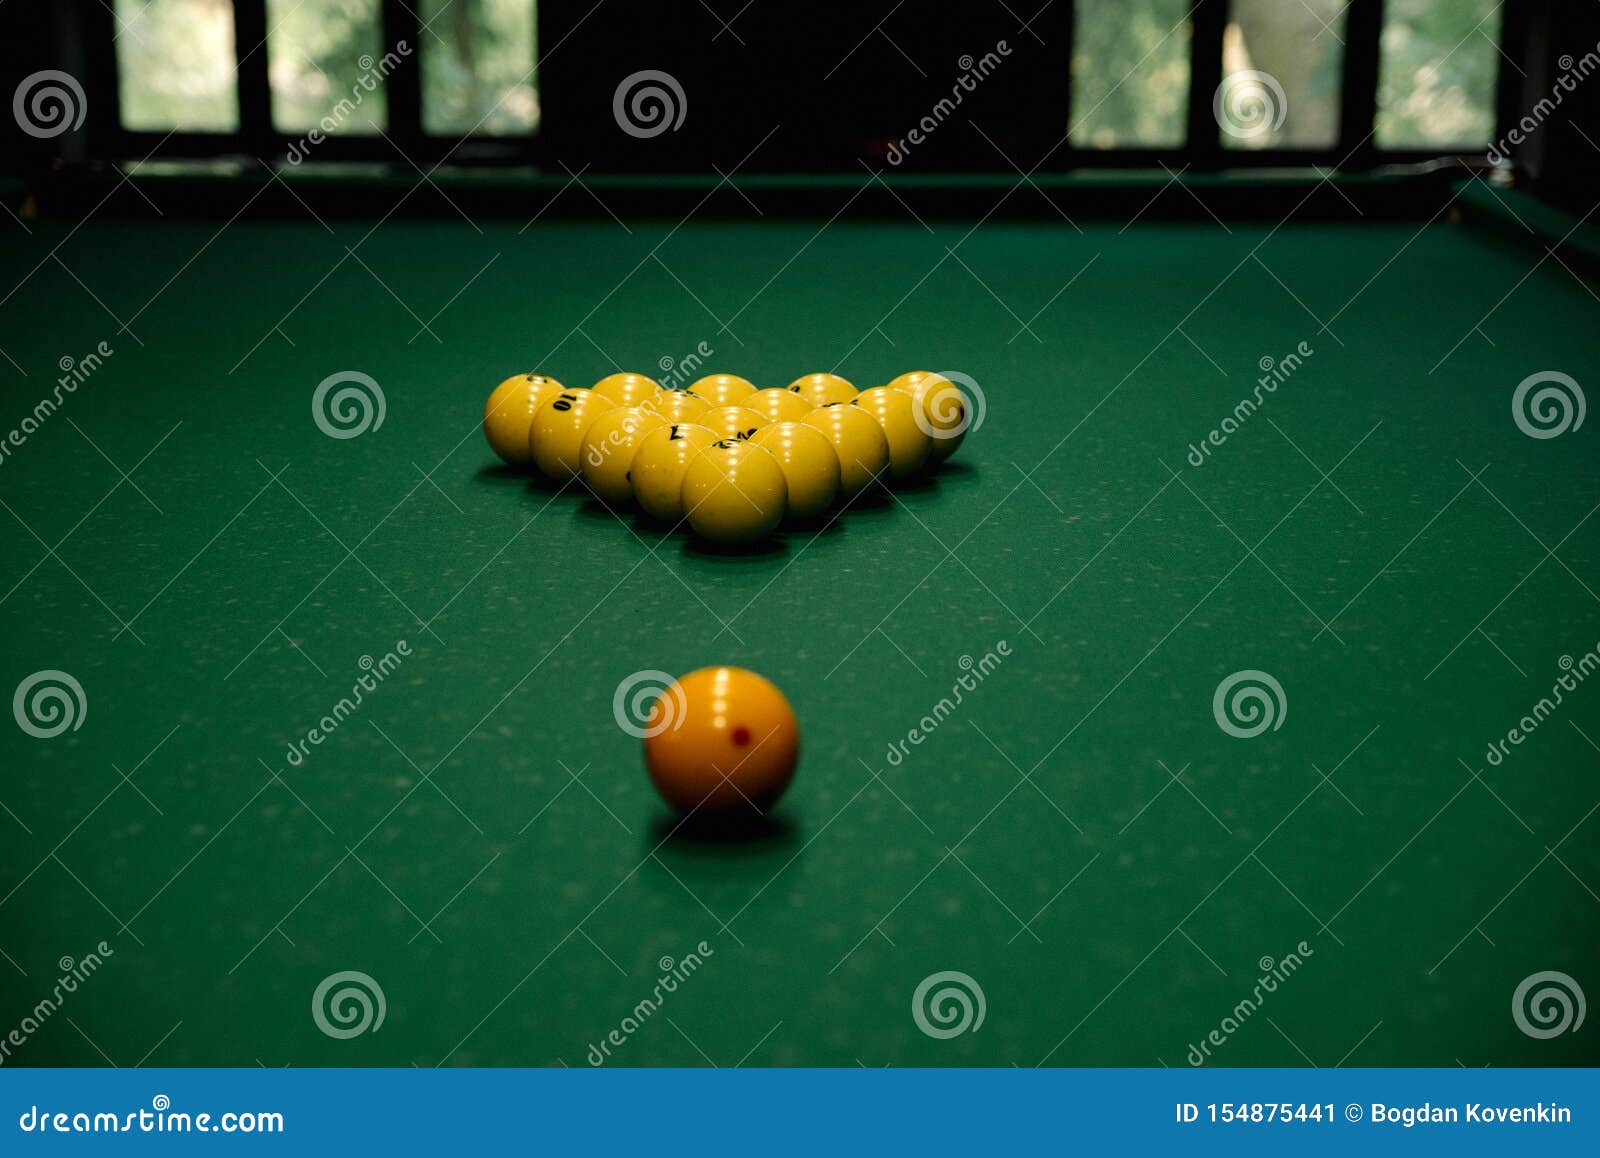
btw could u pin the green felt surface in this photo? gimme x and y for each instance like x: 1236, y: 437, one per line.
x: 1079, y: 835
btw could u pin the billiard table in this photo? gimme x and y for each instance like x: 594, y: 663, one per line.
x: 1201, y: 709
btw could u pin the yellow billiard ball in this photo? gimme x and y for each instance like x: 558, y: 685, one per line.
x: 896, y: 411
x: 627, y: 389
x: 721, y: 741
x: 734, y: 492
x: 659, y: 464
x: 723, y: 389
x: 677, y: 405
x: 944, y: 409
x: 810, y: 465
x: 608, y: 449
x: 509, y: 411
x: 857, y: 439
x: 556, y: 432
x: 822, y: 389
x: 733, y: 421
x: 778, y: 404
x: 911, y: 379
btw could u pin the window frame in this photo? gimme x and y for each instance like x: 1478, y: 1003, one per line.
x: 406, y: 143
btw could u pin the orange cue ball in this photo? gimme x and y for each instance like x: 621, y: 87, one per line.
x: 721, y: 741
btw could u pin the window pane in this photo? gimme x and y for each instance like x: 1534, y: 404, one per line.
x: 1280, y: 67
x: 175, y: 65
x: 1130, y: 73
x: 1438, y: 67
x: 477, y: 66
x: 324, y: 60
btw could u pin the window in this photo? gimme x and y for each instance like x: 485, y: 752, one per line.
x: 1281, y: 66
x: 477, y: 66
x: 324, y: 59
x: 1130, y: 73
x: 1437, y: 69
x: 175, y: 65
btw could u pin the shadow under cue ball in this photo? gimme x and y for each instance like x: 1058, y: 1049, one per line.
x: 721, y: 741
